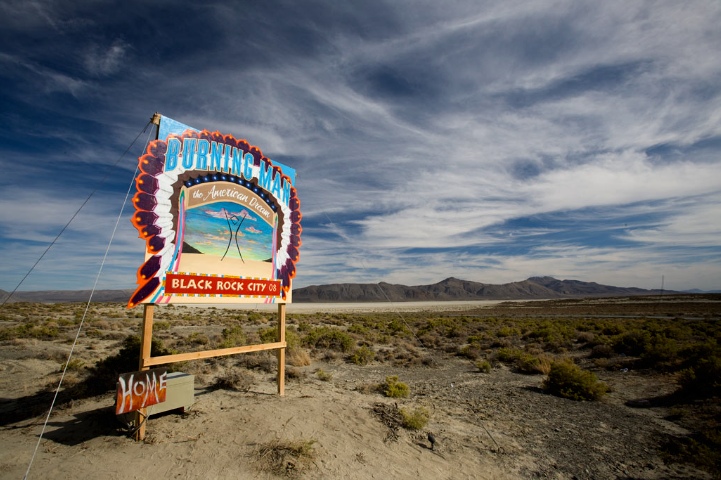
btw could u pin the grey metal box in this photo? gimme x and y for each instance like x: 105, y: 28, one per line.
x: 179, y: 393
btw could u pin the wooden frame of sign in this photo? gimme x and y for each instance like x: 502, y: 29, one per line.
x: 147, y: 361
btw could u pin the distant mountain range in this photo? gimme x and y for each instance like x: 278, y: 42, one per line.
x: 448, y: 289
x: 696, y: 290
x: 455, y: 289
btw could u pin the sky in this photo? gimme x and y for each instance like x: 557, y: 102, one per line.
x: 489, y: 141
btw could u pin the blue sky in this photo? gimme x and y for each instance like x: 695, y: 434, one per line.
x: 490, y: 141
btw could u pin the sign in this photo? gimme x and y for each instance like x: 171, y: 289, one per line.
x: 220, y: 220
x: 140, y: 389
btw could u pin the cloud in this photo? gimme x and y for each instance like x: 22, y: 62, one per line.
x: 106, y: 61
x: 225, y: 214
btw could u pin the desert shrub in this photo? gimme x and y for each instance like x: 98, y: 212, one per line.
x: 430, y: 340
x: 677, y: 332
x: 613, y: 329
x: 363, y: 356
x: 161, y: 325
x: 324, y: 376
x: 551, y: 333
x: 702, y: 378
x: 416, y: 419
x: 527, y: 363
x: 471, y: 352
x: 292, y: 339
x: 429, y: 361
x: 631, y: 343
x: 270, y: 335
x: 264, y: 361
x: 240, y: 380
x: 29, y: 330
x: 602, y: 363
x: 509, y: 355
x: 585, y: 337
x: 294, y: 373
x: 659, y: 350
x: 329, y: 338
x: 395, y: 389
x: 73, y: 365
x: 568, y: 380
x: 476, y: 339
x: 483, y: 366
x: 601, y: 351
x: 507, y: 332
x: 233, y: 337
x: 524, y: 361
x: 455, y: 331
x: 358, y: 328
x: 197, y: 338
x: 398, y: 328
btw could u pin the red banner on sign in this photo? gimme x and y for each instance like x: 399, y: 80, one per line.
x: 177, y: 284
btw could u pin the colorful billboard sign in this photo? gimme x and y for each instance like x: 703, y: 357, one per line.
x: 221, y: 221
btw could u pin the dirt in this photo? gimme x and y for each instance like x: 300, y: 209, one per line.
x: 500, y: 425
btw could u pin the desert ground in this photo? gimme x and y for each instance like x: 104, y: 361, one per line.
x: 364, y: 388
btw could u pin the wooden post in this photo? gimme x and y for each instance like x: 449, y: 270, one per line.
x: 146, y: 341
x: 281, y: 351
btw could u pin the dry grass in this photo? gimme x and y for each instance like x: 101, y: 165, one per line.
x: 294, y: 374
x: 298, y: 357
x: 324, y: 376
x: 286, y: 457
x: 238, y: 380
x: 544, y: 364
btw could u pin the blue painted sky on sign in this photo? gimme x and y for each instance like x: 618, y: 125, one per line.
x: 489, y: 141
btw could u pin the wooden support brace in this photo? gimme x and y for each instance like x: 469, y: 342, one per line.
x: 184, y: 357
x: 146, y: 341
x: 281, y: 350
